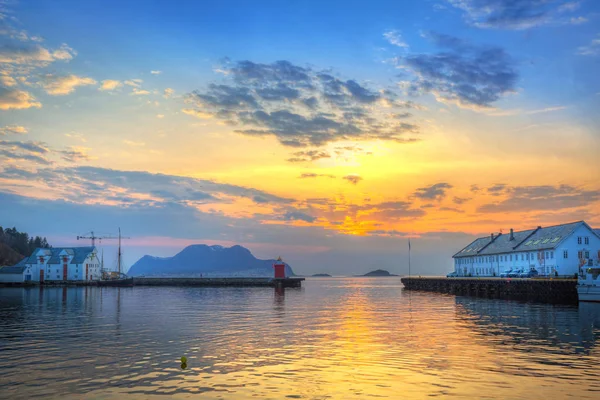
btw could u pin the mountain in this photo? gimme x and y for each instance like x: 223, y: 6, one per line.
x: 378, y: 272
x: 207, y: 260
x: 321, y: 276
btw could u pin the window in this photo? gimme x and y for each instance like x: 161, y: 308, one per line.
x: 578, y: 239
x: 522, y: 257
x: 587, y: 254
x: 587, y: 240
x: 565, y: 254
x: 580, y: 254
x: 551, y: 254
x: 547, y: 255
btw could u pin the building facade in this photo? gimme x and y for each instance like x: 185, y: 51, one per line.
x: 554, y: 250
x: 64, y: 264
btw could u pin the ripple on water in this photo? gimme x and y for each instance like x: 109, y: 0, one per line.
x: 334, y: 338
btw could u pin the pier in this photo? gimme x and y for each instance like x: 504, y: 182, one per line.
x: 220, y: 282
x: 545, y: 290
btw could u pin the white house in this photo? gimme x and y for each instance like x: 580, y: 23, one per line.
x: 64, y: 264
x: 18, y: 273
x: 553, y: 250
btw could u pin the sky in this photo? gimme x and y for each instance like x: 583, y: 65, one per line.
x: 328, y: 133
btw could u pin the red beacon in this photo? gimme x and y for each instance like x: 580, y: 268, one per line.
x: 279, y: 268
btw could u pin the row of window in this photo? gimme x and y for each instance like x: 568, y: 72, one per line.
x: 544, y: 270
x: 586, y: 240
x: 509, y: 257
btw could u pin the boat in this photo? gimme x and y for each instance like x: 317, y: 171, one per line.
x: 588, y: 284
x: 115, y: 278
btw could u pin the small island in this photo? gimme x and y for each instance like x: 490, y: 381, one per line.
x: 321, y: 276
x: 378, y: 272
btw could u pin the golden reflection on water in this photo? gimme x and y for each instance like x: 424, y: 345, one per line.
x: 335, y: 339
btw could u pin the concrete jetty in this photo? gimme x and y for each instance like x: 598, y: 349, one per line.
x: 546, y: 290
x: 219, y: 282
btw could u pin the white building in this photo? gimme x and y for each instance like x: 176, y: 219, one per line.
x: 18, y: 273
x: 554, y: 250
x: 64, y: 264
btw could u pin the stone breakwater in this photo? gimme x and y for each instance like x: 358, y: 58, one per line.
x: 557, y: 291
x: 218, y: 282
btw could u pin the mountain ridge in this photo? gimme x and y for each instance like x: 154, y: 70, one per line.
x: 203, y: 259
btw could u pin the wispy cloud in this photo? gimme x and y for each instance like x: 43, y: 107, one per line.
x: 156, y: 72
x: 57, y: 85
x: 13, y: 129
x: 394, y: 37
x: 353, y: 178
x: 592, y: 49
x: 110, y: 84
x: 15, y: 99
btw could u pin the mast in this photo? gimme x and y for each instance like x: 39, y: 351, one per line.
x: 409, y: 256
x: 119, y: 258
x: 102, y: 265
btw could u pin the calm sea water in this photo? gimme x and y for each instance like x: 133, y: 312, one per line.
x: 334, y: 338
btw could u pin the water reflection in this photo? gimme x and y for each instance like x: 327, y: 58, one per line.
x: 335, y: 338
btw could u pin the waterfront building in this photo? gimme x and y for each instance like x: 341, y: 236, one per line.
x: 18, y: 273
x: 64, y: 264
x: 553, y: 250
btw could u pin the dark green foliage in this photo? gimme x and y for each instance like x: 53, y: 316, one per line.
x: 13, y: 241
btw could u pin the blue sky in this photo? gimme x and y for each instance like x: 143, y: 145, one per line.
x: 344, y: 127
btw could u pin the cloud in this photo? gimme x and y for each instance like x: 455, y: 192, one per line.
x: 433, y: 192
x: 75, y: 154
x: 308, y: 155
x: 134, y: 144
x: 110, y: 84
x: 134, y: 82
x: 460, y: 200
x: 160, y: 116
x: 497, y: 189
x: 197, y: 113
x: 14, y: 99
x: 315, y: 175
x: 168, y: 93
x: 298, y: 216
x: 35, y: 55
x: 468, y: 75
x: 6, y: 80
x: 540, y: 198
x: 388, y: 210
x: 139, y: 92
x: 34, y: 147
x: 11, y: 155
x: 394, y: 37
x: 353, y: 179
x: 57, y: 85
x: 516, y: 14
x: 592, y: 49
x: 156, y: 72
x: 13, y: 129
x: 300, y: 106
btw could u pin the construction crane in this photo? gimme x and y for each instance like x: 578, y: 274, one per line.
x: 93, y: 238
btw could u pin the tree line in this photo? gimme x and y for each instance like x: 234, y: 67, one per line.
x: 20, y: 242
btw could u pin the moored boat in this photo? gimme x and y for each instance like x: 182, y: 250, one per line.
x: 588, y: 284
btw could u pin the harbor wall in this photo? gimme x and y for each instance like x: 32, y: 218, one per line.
x: 217, y: 282
x: 557, y: 291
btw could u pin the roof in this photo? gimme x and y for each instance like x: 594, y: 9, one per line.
x: 79, y: 254
x: 529, y: 240
x: 13, y: 270
x: 597, y: 232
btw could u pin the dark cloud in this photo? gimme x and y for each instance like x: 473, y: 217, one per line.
x: 308, y: 155
x: 17, y: 156
x: 33, y: 147
x: 475, y: 188
x: 537, y: 198
x: 301, y: 106
x: 460, y: 200
x: 497, y: 189
x: 298, y: 216
x: 515, y: 14
x: 74, y: 155
x: 433, y: 192
x: 471, y: 76
x: 451, y: 209
x: 353, y: 179
x: 314, y: 175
